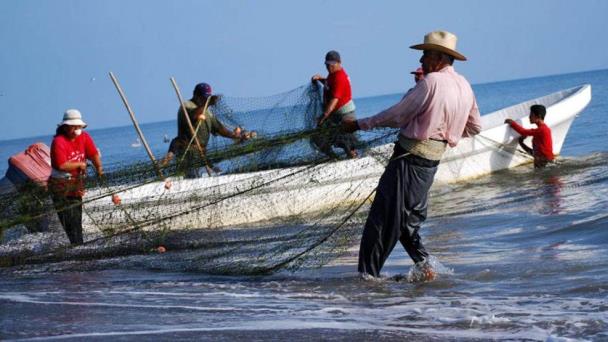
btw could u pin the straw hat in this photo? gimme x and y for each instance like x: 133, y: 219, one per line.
x: 441, y: 41
x: 72, y: 117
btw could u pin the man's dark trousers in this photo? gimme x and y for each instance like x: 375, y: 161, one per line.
x: 398, y: 210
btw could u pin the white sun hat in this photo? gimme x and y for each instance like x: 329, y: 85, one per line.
x: 72, y: 117
x: 443, y: 41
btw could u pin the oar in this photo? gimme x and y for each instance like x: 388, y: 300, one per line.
x: 136, y: 125
x: 192, y: 130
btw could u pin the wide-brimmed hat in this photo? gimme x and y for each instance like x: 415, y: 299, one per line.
x: 72, y: 117
x: 441, y: 41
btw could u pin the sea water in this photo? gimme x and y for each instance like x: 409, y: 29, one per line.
x: 522, y: 255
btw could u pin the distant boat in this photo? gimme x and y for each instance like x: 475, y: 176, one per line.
x: 136, y: 143
x: 166, y: 139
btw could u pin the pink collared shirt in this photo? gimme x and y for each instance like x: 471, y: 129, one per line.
x: 442, y: 106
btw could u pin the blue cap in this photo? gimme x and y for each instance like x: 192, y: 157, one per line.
x: 332, y: 57
x: 203, y: 89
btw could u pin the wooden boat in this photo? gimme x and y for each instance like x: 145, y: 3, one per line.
x: 281, y: 195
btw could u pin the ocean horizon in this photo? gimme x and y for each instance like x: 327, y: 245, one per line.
x: 156, y: 132
x: 396, y: 94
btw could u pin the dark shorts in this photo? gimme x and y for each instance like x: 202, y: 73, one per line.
x: 333, y: 135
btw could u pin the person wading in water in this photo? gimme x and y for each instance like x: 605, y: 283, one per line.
x: 437, y: 112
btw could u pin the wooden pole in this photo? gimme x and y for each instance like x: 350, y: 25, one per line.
x: 192, y: 130
x: 136, y: 125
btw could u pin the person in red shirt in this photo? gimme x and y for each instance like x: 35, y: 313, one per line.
x: 542, y: 144
x: 418, y: 74
x: 338, y: 106
x: 70, y: 149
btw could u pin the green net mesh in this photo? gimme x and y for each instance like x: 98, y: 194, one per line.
x: 286, y: 198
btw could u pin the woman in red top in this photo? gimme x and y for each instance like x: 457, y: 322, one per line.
x: 70, y: 149
x: 542, y: 144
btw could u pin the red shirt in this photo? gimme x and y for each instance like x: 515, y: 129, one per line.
x: 338, y: 84
x: 64, y: 150
x: 542, y: 144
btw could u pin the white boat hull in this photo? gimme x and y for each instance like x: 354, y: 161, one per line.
x: 242, y: 200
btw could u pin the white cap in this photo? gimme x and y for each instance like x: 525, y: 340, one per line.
x: 72, y: 117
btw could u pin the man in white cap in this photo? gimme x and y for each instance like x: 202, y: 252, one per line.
x: 437, y: 112
x: 70, y: 150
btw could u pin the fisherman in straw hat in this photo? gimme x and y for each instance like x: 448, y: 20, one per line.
x: 439, y: 110
x: 70, y: 149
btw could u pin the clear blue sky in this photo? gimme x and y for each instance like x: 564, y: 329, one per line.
x: 56, y: 54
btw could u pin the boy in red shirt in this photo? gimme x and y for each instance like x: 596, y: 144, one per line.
x: 542, y: 145
x: 418, y: 74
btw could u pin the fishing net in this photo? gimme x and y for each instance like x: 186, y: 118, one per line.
x: 286, y: 198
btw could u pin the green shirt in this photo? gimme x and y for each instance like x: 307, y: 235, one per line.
x: 210, y: 125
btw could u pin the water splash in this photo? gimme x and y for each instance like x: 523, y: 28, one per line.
x: 428, y: 270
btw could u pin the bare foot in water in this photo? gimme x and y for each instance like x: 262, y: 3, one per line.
x: 422, y: 272
x: 428, y: 273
